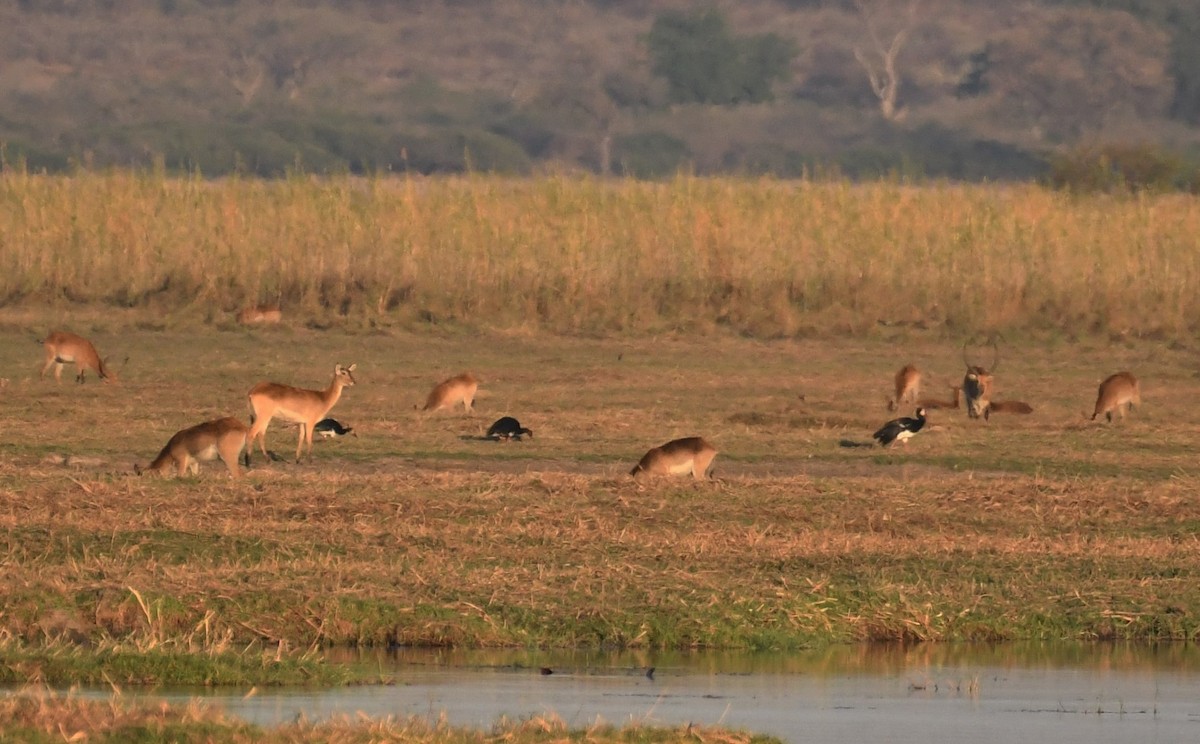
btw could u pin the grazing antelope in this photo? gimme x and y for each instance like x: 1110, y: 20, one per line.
x: 1117, y: 390
x: 264, y: 314
x: 66, y: 348
x: 305, y: 407
x: 678, y: 457
x: 447, y: 394
x: 224, y: 438
x: 900, y: 430
x: 933, y: 404
x: 908, y: 386
x: 977, y: 384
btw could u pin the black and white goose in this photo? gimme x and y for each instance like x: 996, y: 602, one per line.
x: 508, y: 427
x: 899, y: 430
x: 328, y: 428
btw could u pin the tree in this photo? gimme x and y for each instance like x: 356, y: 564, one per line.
x: 703, y: 62
x: 1185, y: 65
x: 880, y: 60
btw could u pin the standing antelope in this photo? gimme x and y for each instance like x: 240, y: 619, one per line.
x: 305, y: 407
x: 977, y: 384
x: 1117, y: 390
x: 678, y: 457
x: 447, y: 394
x: 224, y: 438
x: 908, y: 386
x: 66, y: 348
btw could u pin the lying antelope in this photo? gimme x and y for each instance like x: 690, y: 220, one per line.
x: 977, y: 384
x: 224, y: 438
x: 67, y: 348
x: 447, y: 394
x: 1117, y: 390
x: 305, y: 407
x: 933, y: 404
x: 678, y: 457
x: 264, y: 314
x: 908, y: 386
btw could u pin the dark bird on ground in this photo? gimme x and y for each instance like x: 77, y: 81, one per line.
x: 899, y: 430
x: 328, y: 428
x: 508, y: 428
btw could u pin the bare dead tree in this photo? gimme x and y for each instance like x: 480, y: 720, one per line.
x: 880, y: 61
x: 246, y: 77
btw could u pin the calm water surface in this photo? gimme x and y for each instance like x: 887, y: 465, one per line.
x: 924, y: 694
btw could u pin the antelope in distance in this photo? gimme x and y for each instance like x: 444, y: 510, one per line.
x: 305, y: 407
x: 448, y: 393
x: 977, y: 383
x: 67, y: 348
x: 908, y: 386
x: 678, y: 457
x: 223, y: 438
x: 1119, y: 392
x: 260, y: 315
x: 934, y: 404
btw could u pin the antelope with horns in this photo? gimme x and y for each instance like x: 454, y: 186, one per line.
x: 678, y: 457
x: 977, y: 383
x: 1119, y: 392
x: 305, y: 407
x: 224, y: 438
x: 908, y: 386
x: 67, y: 348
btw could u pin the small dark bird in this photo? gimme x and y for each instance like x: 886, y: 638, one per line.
x: 899, y: 430
x: 508, y: 428
x: 329, y: 428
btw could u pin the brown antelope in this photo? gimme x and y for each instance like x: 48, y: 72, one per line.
x: 933, y: 404
x: 224, y: 438
x: 977, y: 384
x: 1009, y: 406
x: 447, y: 394
x: 908, y: 386
x: 66, y: 348
x: 260, y: 314
x: 305, y: 407
x: 1117, y: 390
x: 678, y: 457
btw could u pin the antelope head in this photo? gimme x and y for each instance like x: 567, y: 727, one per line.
x: 977, y: 383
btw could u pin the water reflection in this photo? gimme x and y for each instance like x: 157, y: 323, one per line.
x: 928, y: 693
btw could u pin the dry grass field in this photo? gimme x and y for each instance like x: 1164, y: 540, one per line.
x: 418, y: 532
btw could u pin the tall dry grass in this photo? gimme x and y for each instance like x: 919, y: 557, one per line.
x: 580, y: 254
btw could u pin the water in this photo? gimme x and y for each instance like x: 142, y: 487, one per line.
x: 925, y: 694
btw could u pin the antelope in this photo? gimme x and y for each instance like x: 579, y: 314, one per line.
x: 305, y: 407
x: 908, y: 386
x: 933, y: 404
x: 678, y: 457
x: 977, y: 384
x: 224, y: 438
x: 66, y: 348
x: 447, y: 394
x: 1009, y: 406
x: 265, y: 314
x: 1117, y: 390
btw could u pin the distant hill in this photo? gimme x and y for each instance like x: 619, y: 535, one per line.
x: 964, y: 89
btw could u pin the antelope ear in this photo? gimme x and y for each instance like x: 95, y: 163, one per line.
x: 352, y: 367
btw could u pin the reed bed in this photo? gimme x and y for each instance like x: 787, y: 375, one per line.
x: 579, y: 254
x: 36, y: 715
